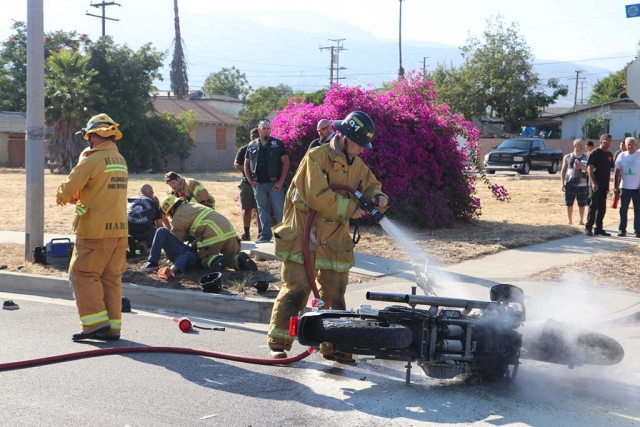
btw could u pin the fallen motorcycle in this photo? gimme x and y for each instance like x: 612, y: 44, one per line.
x: 452, y: 337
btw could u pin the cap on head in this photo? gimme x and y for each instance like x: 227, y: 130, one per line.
x: 103, y: 125
x: 358, y: 127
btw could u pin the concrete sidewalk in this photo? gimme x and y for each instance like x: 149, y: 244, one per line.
x: 468, y: 279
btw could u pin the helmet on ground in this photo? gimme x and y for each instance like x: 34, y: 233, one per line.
x: 358, y: 127
x: 168, y: 203
x: 102, y: 125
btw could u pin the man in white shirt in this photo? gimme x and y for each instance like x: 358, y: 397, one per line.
x: 628, y: 171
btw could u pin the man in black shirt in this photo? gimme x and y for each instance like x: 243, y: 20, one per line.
x: 325, y: 133
x: 599, y: 165
x: 247, y: 198
x: 265, y: 166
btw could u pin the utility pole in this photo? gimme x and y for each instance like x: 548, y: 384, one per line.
x: 335, y: 61
x: 575, y: 98
x: 103, y: 5
x: 34, y: 221
x: 424, y: 67
x: 582, y: 81
x: 401, y: 69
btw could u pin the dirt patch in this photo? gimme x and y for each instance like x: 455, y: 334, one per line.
x: 615, y: 270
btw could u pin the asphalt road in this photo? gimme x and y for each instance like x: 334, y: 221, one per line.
x: 184, y: 390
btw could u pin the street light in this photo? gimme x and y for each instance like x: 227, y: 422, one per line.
x: 401, y: 69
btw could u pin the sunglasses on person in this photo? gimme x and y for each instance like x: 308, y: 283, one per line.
x: 324, y: 128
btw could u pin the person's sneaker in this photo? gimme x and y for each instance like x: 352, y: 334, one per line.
x: 10, y: 305
x: 263, y: 240
x: 622, y: 234
x: 149, y: 267
x: 245, y: 263
x: 600, y: 232
x: 277, y: 353
x: 588, y: 232
x: 245, y: 237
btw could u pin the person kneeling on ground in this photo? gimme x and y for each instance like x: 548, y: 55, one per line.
x: 217, y: 243
x: 189, y: 188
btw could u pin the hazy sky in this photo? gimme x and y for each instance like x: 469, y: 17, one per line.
x: 590, y: 32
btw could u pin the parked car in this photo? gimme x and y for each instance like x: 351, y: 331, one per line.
x: 522, y: 155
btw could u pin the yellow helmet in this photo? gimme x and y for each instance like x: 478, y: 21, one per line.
x: 102, y: 125
x: 168, y: 203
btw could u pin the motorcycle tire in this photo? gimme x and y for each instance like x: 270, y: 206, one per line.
x: 359, y: 333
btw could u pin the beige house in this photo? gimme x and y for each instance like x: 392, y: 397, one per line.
x: 12, y: 135
x: 214, y: 135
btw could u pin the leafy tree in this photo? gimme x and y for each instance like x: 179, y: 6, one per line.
x: 178, y: 73
x: 497, y: 78
x: 316, y: 97
x: 259, y: 105
x: 610, y: 88
x: 69, y: 89
x: 126, y: 80
x: 593, y: 126
x: 171, y: 136
x: 415, y: 152
x: 13, y: 62
x: 228, y: 81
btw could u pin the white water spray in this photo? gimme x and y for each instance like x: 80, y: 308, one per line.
x: 442, y: 279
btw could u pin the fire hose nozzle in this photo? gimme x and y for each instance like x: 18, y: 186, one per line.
x: 367, y: 206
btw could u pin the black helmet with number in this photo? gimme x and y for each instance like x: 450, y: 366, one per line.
x: 358, y: 127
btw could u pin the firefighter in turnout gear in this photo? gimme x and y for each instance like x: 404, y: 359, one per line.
x: 97, y: 186
x: 331, y: 246
x: 217, y: 243
x: 188, y: 188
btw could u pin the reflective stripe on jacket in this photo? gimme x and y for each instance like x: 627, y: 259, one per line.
x: 310, y: 190
x: 99, y: 182
x: 207, y: 226
x: 191, y: 188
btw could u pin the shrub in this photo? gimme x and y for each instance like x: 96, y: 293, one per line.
x: 415, y: 153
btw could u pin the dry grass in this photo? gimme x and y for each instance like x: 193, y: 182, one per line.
x: 535, y: 214
x: 613, y: 270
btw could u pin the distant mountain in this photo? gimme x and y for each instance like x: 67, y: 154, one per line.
x: 278, y: 47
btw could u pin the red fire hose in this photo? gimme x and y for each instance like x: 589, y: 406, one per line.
x: 180, y: 350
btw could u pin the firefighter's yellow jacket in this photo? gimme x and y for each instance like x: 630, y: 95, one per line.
x: 207, y: 226
x: 190, y: 188
x: 320, y: 168
x: 99, y: 181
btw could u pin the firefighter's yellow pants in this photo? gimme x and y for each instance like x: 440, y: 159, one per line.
x: 294, y: 295
x: 95, y: 273
x: 229, y: 248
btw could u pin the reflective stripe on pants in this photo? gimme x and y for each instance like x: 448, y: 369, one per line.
x: 95, y: 272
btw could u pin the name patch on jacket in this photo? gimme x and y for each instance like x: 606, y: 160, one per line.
x: 118, y: 183
x: 115, y: 226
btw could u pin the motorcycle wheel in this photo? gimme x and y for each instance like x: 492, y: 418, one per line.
x: 360, y: 333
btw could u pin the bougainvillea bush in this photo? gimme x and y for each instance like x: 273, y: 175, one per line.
x: 415, y: 151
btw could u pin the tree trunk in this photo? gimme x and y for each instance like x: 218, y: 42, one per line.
x: 178, y: 73
x: 64, y: 146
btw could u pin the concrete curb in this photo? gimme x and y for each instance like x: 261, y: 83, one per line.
x: 147, y: 297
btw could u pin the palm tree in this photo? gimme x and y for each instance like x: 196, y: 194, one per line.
x: 70, y: 93
x: 178, y: 73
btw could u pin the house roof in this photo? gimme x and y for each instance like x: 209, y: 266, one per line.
x: 197, y: 94
x: 205, y: 113
x: 582, y: 108
x: 11, y: 122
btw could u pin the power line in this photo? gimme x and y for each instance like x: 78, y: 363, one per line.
x: 335, y: 60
